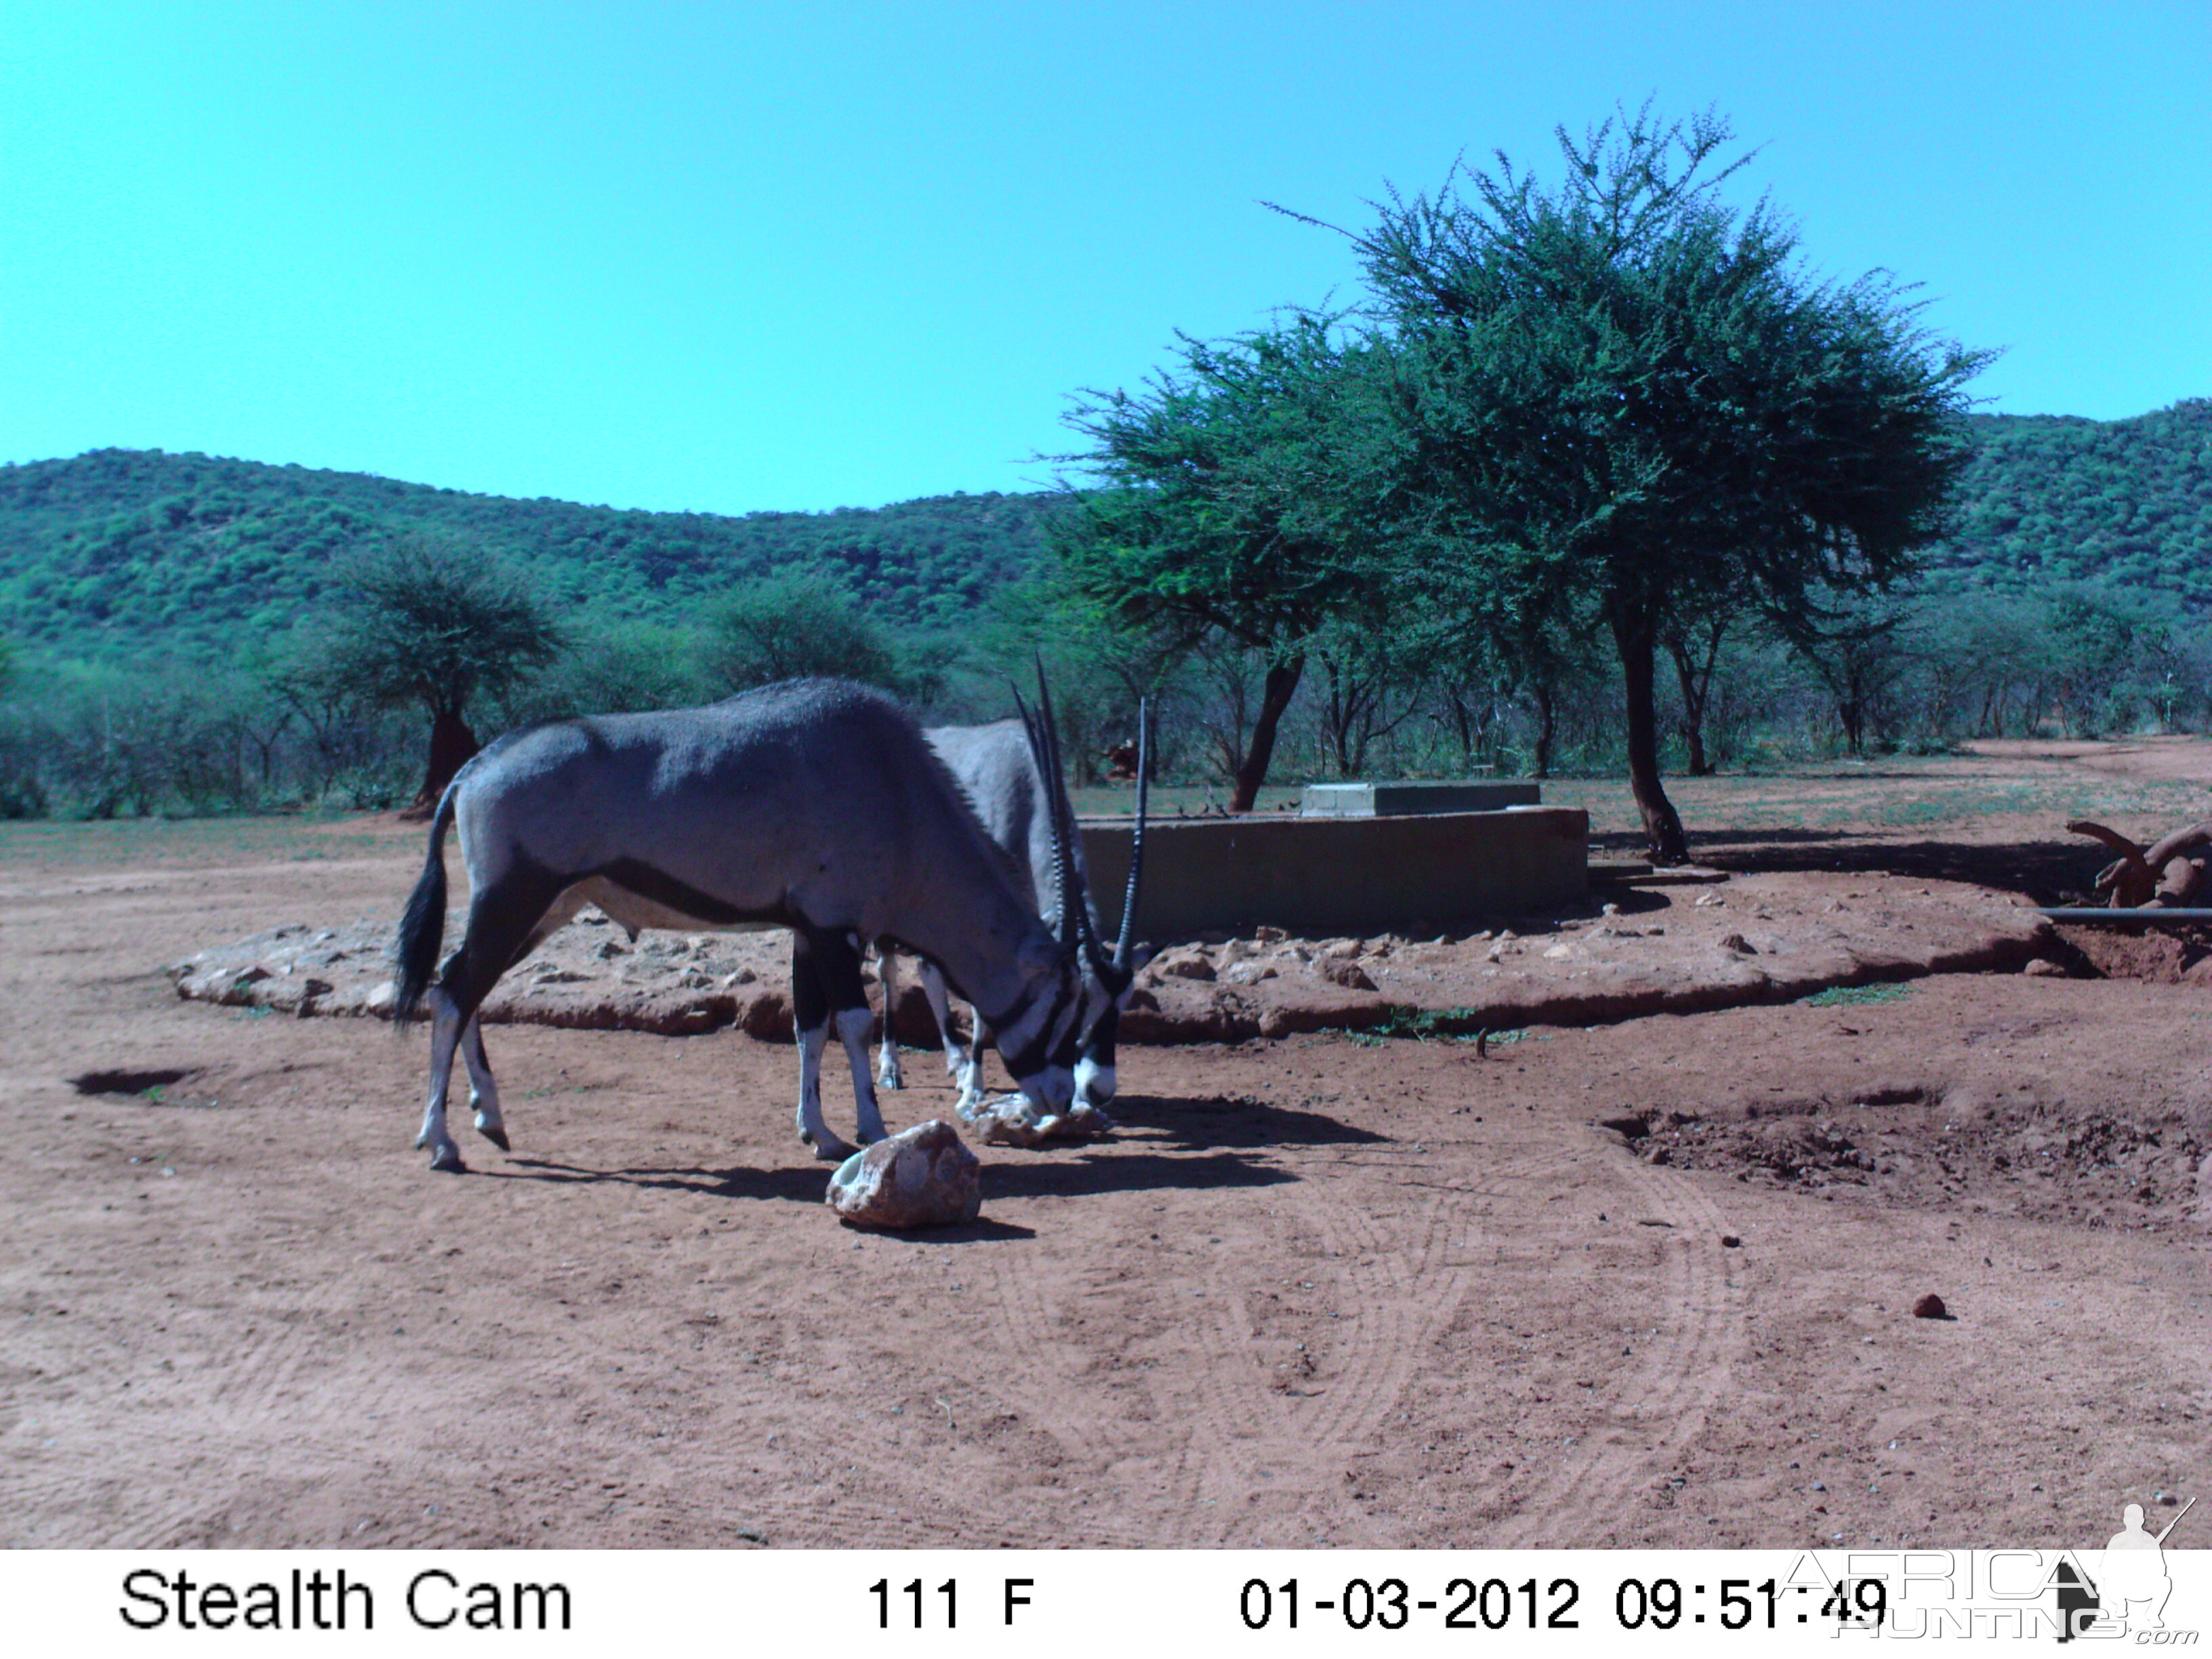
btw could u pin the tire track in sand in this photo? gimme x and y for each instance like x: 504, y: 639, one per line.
x: 1400, y: 1284
x: 1038, y: 1363
x: 1664, y: 1403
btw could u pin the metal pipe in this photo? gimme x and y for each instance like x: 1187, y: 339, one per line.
x: 2150, y: 917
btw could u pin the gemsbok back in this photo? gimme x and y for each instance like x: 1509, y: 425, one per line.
x: 812, y: 804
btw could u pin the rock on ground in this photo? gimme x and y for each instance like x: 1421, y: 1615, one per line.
x: 920, y: 1177
x: 1009, y: 1120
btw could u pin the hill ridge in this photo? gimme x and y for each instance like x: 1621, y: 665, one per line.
x: 142, y: 553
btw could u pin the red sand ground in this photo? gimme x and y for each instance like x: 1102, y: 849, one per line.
x: 1647, y: 1282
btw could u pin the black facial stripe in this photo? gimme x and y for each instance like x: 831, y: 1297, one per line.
x: 1034, y: 1054
x: 1100, y: 1045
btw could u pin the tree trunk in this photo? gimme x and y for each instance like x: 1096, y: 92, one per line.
x: 1463, y: 722
x: 1342, y: 705
x: 1850, y: 709
x: 1633, y: 632
x: 1697, y: 682
x: 1274, y: 697
x: 1547, y: 725
x: 452, y: 743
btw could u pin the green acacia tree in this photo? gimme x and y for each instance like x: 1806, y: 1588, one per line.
x: 791, y: 625
x: 1621, y: 393
x: 437, y: 623
x: 1242, y: 496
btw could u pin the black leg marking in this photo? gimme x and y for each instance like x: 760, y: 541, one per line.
x: 837, y: 962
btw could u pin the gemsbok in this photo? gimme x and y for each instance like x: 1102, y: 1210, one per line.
x: 997, y: 765
x: 810, y: 804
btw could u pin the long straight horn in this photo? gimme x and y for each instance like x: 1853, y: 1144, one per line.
x: 1072, y: 905
x: 1041, y: 758
x: 1126, y: 944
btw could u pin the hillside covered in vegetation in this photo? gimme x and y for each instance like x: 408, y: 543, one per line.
x: 2052, y: 499
x: 138, y: 554
x: 134, y: 555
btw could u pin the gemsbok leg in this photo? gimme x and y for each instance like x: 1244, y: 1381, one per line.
x: 827, y: 990
x: 505, y: 918
x: 964, y: 1062
x: 484, y: 1088
x: 887, y: 1067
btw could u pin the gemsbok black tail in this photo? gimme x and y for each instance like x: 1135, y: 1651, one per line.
x: 422, y: 926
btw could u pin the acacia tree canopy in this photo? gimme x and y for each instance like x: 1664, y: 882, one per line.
x: 1621, y: 392
x: 1241, y: 495
x: 441, y: 624
x: 789, y: 626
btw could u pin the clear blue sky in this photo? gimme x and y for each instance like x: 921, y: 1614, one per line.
x: 731, y: 257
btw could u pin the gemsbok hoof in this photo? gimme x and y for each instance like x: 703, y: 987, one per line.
x: 448, y: 1159
x: 828, y: 1149
x: 496, y: 1134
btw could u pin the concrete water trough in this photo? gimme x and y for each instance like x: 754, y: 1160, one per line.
x: 1335, y: 874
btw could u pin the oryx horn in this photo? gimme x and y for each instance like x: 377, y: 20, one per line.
x: 1075, y: 902
x: 1125, y: 944
x: 1068, y: 925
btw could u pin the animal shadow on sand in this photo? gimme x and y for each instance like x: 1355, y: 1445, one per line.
x: 801, y: 1185
x: 1059, y: 1171
x: 1205, y: 1123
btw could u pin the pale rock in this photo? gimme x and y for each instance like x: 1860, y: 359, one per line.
x: 1012, y: 1120
x: 2043, y: 967
x: 921, y: 1178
